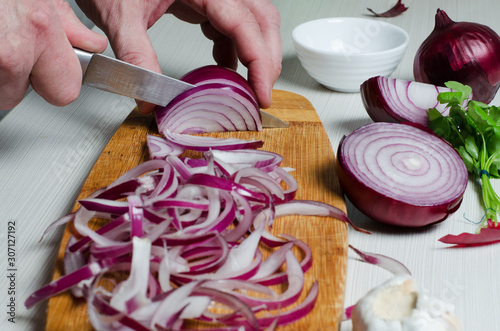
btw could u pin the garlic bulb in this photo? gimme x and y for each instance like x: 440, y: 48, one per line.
x: 396, y: 305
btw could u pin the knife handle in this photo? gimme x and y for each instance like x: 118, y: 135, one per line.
x: 84, y: 58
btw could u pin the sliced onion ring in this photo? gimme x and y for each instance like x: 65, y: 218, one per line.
x: 401, y: 175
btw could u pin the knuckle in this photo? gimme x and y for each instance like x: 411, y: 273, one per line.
x: 41, y: 19
x: 13, y: 62
x: 273, y: 14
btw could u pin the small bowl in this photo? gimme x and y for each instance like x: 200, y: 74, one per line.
x: 341, y: 53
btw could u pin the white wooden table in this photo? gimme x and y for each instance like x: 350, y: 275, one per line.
x: 47, y: 152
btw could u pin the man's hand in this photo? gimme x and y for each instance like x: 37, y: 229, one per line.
x: 248, y: 30
x: 37, y: 38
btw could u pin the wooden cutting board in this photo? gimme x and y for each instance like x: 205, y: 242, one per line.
x: 305, y: 147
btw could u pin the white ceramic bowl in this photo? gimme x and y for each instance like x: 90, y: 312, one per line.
x: 341, y: 53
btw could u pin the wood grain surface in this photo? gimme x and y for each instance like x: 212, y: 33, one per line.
x: 305, y: 147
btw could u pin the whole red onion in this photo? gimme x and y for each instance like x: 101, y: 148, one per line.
x: 460, y: 51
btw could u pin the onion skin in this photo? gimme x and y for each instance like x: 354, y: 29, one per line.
x: 460, y: 51
x: 375, y: 105
x: 389, y: 210
x: 396, y: 10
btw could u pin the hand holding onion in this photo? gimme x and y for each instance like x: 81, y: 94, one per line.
x: 230, y: 24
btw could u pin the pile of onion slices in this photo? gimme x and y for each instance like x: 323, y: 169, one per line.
x: 178, y: 239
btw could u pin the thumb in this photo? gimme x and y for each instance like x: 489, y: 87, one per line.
x: 77, y: 33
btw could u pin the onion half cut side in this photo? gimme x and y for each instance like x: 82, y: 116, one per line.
x: 401, y: 175
x: 222, y: 100
x: 396, y: 100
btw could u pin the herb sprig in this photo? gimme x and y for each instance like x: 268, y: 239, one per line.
x: 473, y: 129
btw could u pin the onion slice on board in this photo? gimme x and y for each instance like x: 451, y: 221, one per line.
x: 398, y: 100
x: 401, y: 175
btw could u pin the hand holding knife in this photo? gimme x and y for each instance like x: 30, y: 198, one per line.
x: 115, y: 76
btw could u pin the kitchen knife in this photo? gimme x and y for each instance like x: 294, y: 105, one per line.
x: 115, y: 76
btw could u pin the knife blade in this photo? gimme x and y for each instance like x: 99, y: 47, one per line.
x: 119, y: 77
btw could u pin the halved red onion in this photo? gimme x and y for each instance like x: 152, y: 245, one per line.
x: 222, y: 100
x: 210, y: 108
x: 401, y: 175
x: 398, y: 100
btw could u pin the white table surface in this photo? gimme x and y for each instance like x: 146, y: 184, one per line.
x: 47, y: 152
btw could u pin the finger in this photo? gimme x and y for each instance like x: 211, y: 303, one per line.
x: 77, y: 33
x: 138, y: 50
x: 56, y: 74
x: 15, y: 67
x: 269, y: 20
x: 130, y: 42
x: 236, y: 21
x: 224, y: 50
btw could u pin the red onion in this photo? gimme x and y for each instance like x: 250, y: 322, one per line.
x: 397, y: 100
x: 401, y: 175
x: 460, y: 51
x: 222, y: 100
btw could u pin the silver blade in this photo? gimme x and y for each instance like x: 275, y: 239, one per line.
x: 270, y: 121
x: 112, y: 75
x: 115, y: 76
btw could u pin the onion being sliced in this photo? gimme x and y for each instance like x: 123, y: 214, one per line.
x: 396, y: 100
x: 210, y: 108
x: 401, y: 175
x: 221, y: 100
x: 217, y: 74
